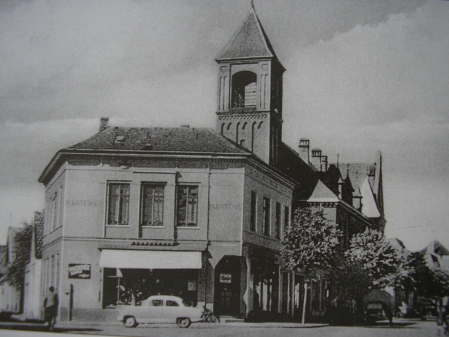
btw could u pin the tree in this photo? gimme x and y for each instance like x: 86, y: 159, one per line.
x: 374, y: 256
x: 426, y: 281
x: 22, y: 247
x: 310, y: 244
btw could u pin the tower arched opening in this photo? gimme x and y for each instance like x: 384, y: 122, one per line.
x: 244, y: 89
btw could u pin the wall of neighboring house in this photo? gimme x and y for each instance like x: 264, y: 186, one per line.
x: 32, y: 291
x: 9, y: 298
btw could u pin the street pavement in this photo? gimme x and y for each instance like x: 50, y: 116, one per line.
x: 401, y: 327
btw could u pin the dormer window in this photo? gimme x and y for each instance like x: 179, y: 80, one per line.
x: 119, y: 139
x: 244, y: 90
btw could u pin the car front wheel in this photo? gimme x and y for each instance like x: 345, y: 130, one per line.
x: 130, y: 322
x: 183, y: 322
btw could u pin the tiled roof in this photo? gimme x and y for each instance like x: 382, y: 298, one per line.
x: 292, y: 165
x: 189, y: 140
x: 250, y: 40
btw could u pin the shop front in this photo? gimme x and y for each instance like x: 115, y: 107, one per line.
x: 227, y: 286
x: 131, y: 276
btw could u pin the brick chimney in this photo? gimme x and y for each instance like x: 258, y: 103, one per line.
x: 104, y: 123
x: 304, y: 147
x: 318, y: 160
x: 323, y: 166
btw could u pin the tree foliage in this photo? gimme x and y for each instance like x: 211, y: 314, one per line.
x: 22, y: 247
x: 311, y: 241
x: 426, y: 281
x: 373, y: 255
x: 310, y: 244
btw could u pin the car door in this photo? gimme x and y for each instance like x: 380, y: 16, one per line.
x: 173, y: 310
x: 144, y: 312
x: 156, y: 310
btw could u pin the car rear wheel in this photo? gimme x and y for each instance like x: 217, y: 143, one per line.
x: 130, y: 322
x: 183, y: 322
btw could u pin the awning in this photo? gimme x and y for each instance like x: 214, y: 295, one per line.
x: 138, y: 259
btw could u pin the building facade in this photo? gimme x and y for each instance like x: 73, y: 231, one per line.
x: 196, y: 213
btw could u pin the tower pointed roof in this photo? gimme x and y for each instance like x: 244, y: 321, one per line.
x: 249, y: 41
x: 322, y: 193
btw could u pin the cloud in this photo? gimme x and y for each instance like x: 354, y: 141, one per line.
x: 384, y: 76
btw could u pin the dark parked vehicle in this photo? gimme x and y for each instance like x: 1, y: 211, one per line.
x: 377, y: 311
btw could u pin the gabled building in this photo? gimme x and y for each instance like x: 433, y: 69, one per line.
x: 197, y: 213
x: 10, y: 297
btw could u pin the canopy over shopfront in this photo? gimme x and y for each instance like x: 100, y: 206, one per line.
x: 138, y: 259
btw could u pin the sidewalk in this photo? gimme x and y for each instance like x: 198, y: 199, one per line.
x: 76, y: 324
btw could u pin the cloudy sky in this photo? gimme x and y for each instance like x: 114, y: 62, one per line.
x: 361, y: 76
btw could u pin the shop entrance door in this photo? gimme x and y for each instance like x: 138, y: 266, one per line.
x: 227, y: 286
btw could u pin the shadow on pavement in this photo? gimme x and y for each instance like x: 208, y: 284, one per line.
x: 394, y: 325
x: 44, y: 328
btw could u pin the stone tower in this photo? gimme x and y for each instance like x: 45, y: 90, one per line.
x: 250, y: 91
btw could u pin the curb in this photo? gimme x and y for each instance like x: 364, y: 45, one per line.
x: 70, y: 324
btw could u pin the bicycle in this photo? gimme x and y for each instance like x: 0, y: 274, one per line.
x: 209, y: 317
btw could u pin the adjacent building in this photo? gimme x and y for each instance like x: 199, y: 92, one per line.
x: 33, y: 299
x: 197, y: 213
x: 10, y: 296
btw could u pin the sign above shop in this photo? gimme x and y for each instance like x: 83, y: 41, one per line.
x: 191, y: 285
x: 77, y: 270
x: 225, y: 278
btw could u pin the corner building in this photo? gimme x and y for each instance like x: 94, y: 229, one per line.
x: 196, y: 213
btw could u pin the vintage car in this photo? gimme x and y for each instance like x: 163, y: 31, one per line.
x: 376, y: 311
x: 160, y: 309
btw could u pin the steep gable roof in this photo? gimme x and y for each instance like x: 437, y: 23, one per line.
x: 322, y: 193
x: 437, y: 248
x: 250, y: 40
x: 369, y: 206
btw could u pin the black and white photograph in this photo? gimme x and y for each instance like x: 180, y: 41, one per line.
x: 224, y: 168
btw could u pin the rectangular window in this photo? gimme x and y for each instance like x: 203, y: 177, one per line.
x: 266, y: 216
x: 55, y: 212
x: 277, y: 228
x: 188, y: 206
x: 286, y: 217
x: 152, y: 205
x: 253, y: 215
x: 118, y: 204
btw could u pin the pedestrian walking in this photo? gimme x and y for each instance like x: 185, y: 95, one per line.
x: 443, y: 310
x: 51, y: 303
x: 335, y: 311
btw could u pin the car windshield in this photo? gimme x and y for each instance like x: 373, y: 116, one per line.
x: 374, y: 306
x: 185, y: 304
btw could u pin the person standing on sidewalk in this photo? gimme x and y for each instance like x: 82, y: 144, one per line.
x: 443, y: 311
x: 51, y: 303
